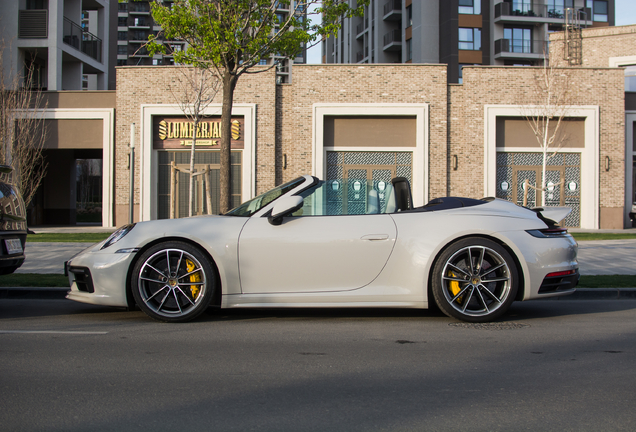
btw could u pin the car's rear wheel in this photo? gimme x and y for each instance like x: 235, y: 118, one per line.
x: 475, y: 280
x: 173, y: 282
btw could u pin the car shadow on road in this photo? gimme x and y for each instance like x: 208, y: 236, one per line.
x: 520, y: 311
x: 539, y: 309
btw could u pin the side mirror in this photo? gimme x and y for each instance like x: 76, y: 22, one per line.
x: 284, y: 207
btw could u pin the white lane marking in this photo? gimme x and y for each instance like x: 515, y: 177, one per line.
x: 50, y: 332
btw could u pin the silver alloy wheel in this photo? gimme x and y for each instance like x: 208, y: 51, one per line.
x: 171, y: 283
x: 476, y: 281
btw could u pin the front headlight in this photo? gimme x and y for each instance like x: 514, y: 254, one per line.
x: 117, y: 235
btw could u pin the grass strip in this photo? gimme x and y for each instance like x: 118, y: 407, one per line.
x: 59, y: 280
x: 67, y: 237
x: 607, y: 281
x: 585, y: 236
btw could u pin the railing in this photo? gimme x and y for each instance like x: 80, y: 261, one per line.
x: 33, y: 24
x: 393, y: 36
x: 393, y: 6
x: 520, y: 46
x: 141, y: 51
x: 532, y: 10
x: 361, y: 27
x: 138, y: 7
x: 83, y: 41
x: 360, y: 55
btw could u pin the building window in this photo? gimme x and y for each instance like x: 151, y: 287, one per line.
x: 409, y: 49
x: 139, y: 35
x: 122, y: 21
x: 122, y: 49
x: 262, y: 62
x: 472, y: 7
x: 519, y: 40
x: 555, y: 8
x: 599, y: 9
x: 122, y: 35
x: 470, y: 39
x: 121, y: 62
x: 35, y: 4
x: 409, y: 15
x: 630, y: 78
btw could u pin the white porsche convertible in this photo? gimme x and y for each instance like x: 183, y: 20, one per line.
x: 312, y: 243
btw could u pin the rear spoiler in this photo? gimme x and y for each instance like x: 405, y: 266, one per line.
x: 552, y: 215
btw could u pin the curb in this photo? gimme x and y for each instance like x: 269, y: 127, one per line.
x: 600, y: 294
x: 44, y: 293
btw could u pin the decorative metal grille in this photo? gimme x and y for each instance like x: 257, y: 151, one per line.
x: 564, y: 167
x: 362, y: 172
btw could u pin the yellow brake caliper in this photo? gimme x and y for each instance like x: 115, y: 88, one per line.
x: 195, y: 277
x: 454, y: 287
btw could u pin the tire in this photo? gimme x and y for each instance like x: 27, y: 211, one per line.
x: 475, y: 280
x: 173, y: 282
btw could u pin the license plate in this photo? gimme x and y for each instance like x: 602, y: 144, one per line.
x: 13, y: 246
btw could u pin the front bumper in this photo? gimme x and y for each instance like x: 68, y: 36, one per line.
x: 99, y: 277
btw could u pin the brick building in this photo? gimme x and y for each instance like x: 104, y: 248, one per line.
x: 377, y: 121
x: 372, y: 122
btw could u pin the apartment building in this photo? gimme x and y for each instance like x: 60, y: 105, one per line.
x: 460, y: 32
x: 135, y: 24
x: 53, y: 38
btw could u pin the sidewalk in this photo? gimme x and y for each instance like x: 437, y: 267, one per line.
x: 607, y: 257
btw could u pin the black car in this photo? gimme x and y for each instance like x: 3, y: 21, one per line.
x: 13, y: 226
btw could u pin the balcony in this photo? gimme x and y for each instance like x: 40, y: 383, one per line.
x: 81, y: 40
x: 393, y: 11
x: 139, y: 8
x: 361, y: 55
x: 139, y: 52
x: 520, y: 48
x: 33, y: 24
x: 536, y: 13
x: 393, y: 41
x: 360, y: 28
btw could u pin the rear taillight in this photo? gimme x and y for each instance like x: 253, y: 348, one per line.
x: 561, y: 273
x: 549, y: 232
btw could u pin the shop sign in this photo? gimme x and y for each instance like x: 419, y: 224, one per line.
x: 177, y: 132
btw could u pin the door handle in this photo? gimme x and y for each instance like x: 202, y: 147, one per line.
x: 375, y: 237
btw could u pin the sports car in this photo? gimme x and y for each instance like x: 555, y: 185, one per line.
x: 334, y: 243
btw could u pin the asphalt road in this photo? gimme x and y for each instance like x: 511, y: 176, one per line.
x: 550, y: 365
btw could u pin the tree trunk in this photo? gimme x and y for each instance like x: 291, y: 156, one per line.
x: 225, y: 177
x: 192, y: 149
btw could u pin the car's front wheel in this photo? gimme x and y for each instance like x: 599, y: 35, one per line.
x: 475, y: 280
x: 173, y: 282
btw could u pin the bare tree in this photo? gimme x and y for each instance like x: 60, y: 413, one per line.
x: 193, y: 89
x: 553, y: 100
x: 22, y: 128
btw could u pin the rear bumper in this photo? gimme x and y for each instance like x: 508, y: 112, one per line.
x: 562, y: 284
x: 11, y: 262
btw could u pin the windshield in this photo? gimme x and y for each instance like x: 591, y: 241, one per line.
x: 248, y: 208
